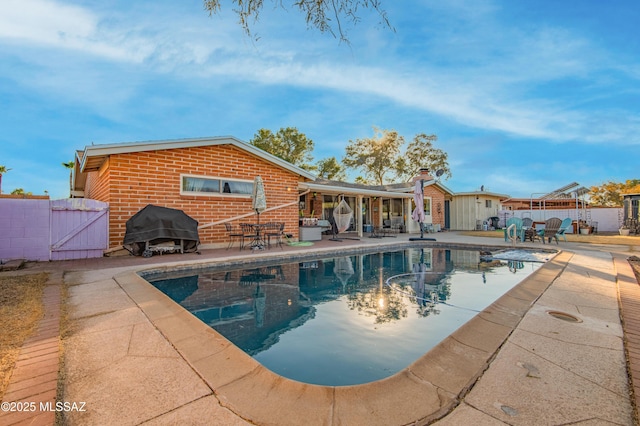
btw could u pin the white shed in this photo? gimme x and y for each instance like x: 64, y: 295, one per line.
x: 473, y: 210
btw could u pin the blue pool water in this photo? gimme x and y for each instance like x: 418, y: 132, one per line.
x: 350, y: 319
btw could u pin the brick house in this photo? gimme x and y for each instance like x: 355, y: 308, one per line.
x: 210, y: 179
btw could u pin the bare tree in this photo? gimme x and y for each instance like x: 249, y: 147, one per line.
x: 327, y: 16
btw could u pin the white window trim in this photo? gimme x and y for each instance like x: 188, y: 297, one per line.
x: 213, y: 194
x: 430, y: 214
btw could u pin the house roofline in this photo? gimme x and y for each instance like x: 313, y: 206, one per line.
x: 398, y: 190
x: 337, y: 189
x: 94, y: 155
x: 490, y: 194
x: 441, y: 186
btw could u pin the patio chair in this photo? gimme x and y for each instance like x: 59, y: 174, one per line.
x: 276, y: 231
x: 551, y: 227
x: 325, y: 225
x: 249, y: 231
x: 519, y: 230
x: 233, y: 234
x: 528, y: 230
x: 388, y: 230
x: 564, y: 227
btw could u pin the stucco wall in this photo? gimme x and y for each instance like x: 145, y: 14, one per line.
x: 24, y: 229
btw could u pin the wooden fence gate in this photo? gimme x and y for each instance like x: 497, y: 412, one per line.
x: 79, y: 228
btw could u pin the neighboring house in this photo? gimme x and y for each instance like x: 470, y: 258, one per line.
x: 569, y: 197
x: 210, y: 179
x: 472, y: 210
x: 541, y: 203
x: 569, y: 201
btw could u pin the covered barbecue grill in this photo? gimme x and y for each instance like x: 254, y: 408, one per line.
x: 156, y: 229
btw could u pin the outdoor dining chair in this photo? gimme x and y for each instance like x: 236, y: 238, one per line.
x: 250, y: 232
x: 233, y: 234
x: 276, y: 231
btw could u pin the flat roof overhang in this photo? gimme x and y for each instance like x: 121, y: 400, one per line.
x: 334, y: 189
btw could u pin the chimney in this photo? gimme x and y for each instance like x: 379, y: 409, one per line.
x: 424, y: 174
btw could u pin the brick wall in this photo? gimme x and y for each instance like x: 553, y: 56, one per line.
x: 131, y: 181
x: 437, y: 199
x: 99, y: 184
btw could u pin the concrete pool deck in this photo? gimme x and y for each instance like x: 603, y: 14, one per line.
x: 134, y: 357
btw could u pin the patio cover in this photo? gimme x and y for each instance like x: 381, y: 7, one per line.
x: 156, y: 225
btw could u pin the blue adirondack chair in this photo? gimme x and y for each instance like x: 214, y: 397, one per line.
x: 564, y: 227
x: 519, y: 229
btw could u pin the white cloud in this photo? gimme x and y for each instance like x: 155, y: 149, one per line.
x: 484, y: 76
x: 134, y: 39
x: 54, y: 24
x: 44, y: 21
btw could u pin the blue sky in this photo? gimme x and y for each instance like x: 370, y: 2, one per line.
x: 525, y: 97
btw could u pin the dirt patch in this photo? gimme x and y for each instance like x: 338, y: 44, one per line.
x: 20, y: 310
x: 634, y: 261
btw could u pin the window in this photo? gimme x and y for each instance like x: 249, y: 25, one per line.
x: 487, y: 203
x: 201, y: 185
x: 427, y: 206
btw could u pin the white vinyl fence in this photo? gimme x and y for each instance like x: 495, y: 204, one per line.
x: 608, y: 219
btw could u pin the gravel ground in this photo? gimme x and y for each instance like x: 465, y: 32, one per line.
x: 634, y: 261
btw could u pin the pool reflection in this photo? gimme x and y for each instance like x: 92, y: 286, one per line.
x: 255, y: 308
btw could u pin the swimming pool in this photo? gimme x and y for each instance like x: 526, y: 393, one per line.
x: 349, y: 319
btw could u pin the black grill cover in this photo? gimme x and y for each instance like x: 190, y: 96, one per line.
x: 156, y: 225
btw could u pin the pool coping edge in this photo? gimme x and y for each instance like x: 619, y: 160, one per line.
x: 427, y: 389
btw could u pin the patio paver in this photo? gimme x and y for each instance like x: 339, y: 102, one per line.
x: 590, y: 386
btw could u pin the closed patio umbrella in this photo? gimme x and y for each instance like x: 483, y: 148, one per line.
x: 418, y: 198
x: 259, y: 203
x: 418, y: 212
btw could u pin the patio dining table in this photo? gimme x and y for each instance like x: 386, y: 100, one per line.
x: 258, y: 242
x: 253, y: 232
